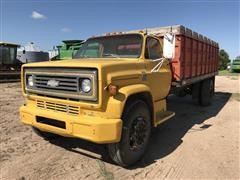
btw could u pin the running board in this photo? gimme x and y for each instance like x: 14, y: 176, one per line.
x: 163, y: 116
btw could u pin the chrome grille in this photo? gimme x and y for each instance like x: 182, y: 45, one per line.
x: 62, y: 83
x: 73, y: 110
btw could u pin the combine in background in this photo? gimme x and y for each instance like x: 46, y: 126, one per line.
x: 10, y: 66
x: 236, y: 65
x: 68, y: 49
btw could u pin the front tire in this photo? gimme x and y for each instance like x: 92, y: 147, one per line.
x: 135, y: 134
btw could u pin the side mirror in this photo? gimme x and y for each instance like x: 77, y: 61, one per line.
x: 169, y: 45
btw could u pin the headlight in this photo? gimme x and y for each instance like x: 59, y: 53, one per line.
x: 86, y: 85
x: 30, y: 80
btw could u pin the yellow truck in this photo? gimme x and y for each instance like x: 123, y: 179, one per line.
x: 114, y: 91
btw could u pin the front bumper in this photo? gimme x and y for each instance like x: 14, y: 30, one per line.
x: 95, y: 129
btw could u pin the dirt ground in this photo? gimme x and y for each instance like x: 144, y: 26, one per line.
x: 199, y: 142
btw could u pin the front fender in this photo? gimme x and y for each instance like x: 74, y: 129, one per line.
x: 115, y: 105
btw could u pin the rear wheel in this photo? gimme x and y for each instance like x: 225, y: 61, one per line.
x: 196, y: 93
x: 135, y: 134
x: 207, y: 92
x: 45, y: 135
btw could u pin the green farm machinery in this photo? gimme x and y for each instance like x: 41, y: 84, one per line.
x: 68, y: 49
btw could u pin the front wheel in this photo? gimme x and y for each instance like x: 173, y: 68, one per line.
x: 135, y: 134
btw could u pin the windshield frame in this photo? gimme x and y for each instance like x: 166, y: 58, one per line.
x: 142, y: 40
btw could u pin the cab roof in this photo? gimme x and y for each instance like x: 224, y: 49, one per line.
x: 117, y: 34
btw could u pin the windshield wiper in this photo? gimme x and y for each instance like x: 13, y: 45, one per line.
x: 113, y: 55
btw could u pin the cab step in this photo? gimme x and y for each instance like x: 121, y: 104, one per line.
x: 163, y: 116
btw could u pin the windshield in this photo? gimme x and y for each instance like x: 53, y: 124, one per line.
x: 118, y: 46
x: 7, y: 55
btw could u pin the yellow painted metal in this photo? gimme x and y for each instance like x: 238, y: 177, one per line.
x: 95, y: 129
x: 100, y: 121
x: 163, y: 116
x: 159, y: 107
x: 116, y: 104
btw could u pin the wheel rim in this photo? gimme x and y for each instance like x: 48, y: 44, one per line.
x: 138, y: 133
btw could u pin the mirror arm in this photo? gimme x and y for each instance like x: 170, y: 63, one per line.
x: 158, y: 65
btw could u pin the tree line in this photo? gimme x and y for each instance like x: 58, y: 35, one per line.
x: 224, y: 59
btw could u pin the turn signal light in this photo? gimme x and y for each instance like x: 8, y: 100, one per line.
x: 112, y: 89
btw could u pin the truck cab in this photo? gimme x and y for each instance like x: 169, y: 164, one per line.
x: 109, y: 94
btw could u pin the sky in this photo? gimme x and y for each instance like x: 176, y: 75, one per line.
x: 48, y: 22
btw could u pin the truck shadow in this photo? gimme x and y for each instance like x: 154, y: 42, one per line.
x: 166, y: 138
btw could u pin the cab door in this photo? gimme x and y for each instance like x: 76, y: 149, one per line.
x: 159, y: 81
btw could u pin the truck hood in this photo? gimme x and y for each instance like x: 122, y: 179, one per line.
x: 88, y: 63
x: 109, y: 69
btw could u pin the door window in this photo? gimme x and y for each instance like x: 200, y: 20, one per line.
x: 153, y: 49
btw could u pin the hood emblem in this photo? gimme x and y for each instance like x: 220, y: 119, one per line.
x: 53, y: 83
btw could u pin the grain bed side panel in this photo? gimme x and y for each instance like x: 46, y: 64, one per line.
x: 200, y: 55
x: 178, y: 61
x: 188, y: 57
x: 212, y: 59
x: 207, y: 59
x: 193, y: 58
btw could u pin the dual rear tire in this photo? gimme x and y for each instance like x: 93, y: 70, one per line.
x: 202, y: 92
